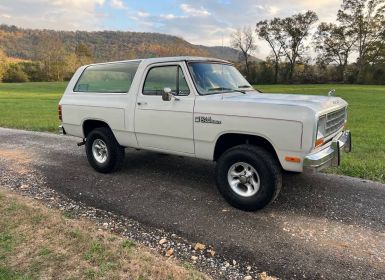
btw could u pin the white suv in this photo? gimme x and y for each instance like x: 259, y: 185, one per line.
x: 203, y: 108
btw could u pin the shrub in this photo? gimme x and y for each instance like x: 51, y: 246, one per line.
x: 34, y: 70
x: 15, y: 74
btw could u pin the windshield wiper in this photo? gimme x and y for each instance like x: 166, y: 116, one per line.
x: 250, y: 87
x: 226, y: 89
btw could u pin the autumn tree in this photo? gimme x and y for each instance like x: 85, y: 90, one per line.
x: 334, y: 44
x: 15, y: 74
x: 291, y: 34
x: 3, y: 64
x: 365, y: 20
x: 83, y: 54
x: 269, y: 31
x: 51, y: 52
x: 376, y: 55
x: 244, y: 40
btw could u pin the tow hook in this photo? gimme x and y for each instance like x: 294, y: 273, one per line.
x: 82, y: 143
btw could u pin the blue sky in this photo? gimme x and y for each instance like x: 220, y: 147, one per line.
x: 197, y: 21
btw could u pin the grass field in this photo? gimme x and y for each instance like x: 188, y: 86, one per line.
x: 37, y: 242
x: 33, y: 106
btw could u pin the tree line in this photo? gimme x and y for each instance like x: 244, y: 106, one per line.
x: 55, y: 55
x: 53, y: 63
x: 49, y: 55
x: 351, y: 50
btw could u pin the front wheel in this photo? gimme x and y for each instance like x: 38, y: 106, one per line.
x: 248, y: 177
x: 104, y: 153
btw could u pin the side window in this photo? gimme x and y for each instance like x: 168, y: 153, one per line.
x: 161, y: 77
x: 107, y: 78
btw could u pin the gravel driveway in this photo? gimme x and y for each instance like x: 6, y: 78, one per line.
x: 321, y: 226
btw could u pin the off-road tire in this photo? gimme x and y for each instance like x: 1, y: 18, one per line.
x: 115, y: 156
x: 264, y: 163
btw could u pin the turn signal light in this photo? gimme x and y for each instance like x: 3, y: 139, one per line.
x: 293, y: 159
x: 59, y: 113
x: 319, y: 142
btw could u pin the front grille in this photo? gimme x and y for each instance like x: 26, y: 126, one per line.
x: 334, y: 121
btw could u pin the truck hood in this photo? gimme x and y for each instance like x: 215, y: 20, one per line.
x: 316, y: 103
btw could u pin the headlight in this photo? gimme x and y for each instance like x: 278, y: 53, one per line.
x: 321, y: 131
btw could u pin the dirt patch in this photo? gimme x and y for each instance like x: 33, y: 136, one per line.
x: 19, y: 160
x: 357, y: 243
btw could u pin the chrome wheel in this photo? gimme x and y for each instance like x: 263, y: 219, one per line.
x: 243, y: 179
x: 99, y: 150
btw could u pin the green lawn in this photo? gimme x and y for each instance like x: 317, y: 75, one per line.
x: 33, y: 106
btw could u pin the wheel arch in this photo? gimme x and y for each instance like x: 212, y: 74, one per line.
x: 228, y: 140
x: 90, y: 124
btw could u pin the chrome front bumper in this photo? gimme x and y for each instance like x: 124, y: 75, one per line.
x: 331, y: 155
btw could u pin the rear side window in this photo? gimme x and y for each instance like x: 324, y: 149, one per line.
x: 107, y: 78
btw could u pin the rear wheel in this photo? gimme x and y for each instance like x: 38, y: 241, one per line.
x: 104, y: 153
x: 248, y: 177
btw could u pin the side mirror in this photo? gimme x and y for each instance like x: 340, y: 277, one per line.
x: 167, y: 95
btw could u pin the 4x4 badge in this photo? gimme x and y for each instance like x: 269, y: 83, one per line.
x: 202, y: 119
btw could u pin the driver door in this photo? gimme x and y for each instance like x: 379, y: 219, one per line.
x: 165, y: 125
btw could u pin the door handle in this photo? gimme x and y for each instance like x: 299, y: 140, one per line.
x: 142, y: 103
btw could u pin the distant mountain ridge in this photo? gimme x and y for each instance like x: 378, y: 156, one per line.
x: 108, y: 45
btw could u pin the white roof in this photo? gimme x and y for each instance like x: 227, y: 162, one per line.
x: 168, y: 59
x: 181, y: 58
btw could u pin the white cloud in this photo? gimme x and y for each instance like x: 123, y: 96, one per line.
x: 53, y: 14
x: 171, y: 17
x: 315, y: 4
x: 5, y: 16
x: 188, y: 9
x: 76, y: 3
x: 168, y: 16
x: 143, y: 14
x: 271, y: 10
x: 117, y: 4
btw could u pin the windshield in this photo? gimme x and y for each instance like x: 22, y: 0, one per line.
x: 211, y: 77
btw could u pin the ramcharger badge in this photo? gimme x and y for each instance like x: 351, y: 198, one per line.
x: 202, y: 119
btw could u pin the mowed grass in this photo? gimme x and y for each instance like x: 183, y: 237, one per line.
x: 33, y: 106
x: 366, y: 120
x: 30, y: 106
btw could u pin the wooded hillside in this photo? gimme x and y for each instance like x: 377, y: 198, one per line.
x: 106, y: 45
